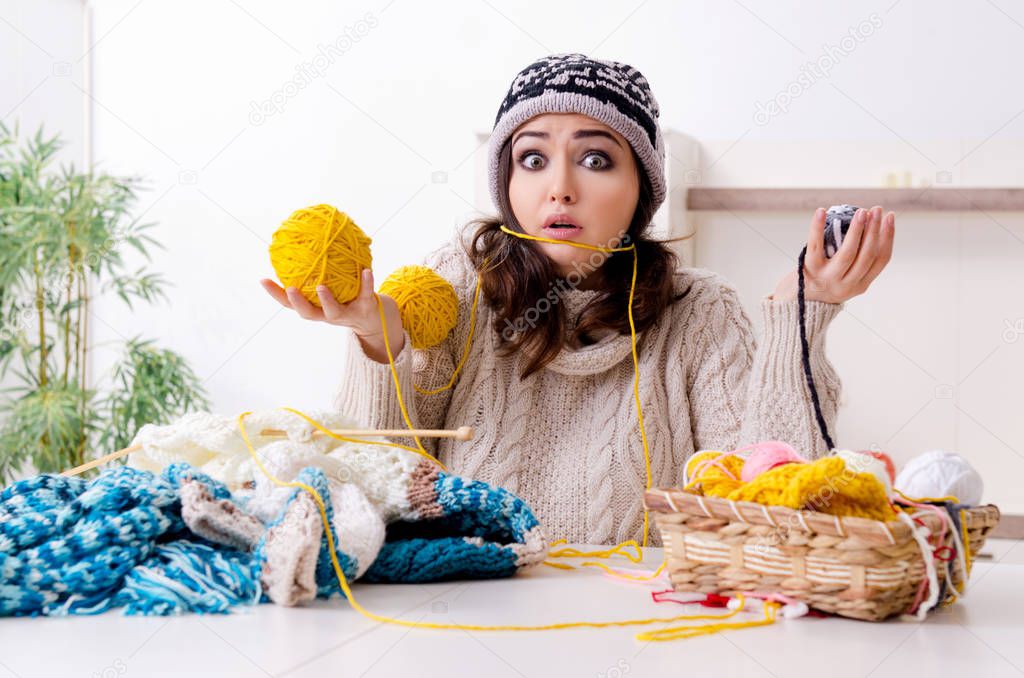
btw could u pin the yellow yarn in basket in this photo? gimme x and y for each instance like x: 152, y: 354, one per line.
x: 320, y: 245
x: 427, y: 302
x: 718, y: 474
x: 826, y: 485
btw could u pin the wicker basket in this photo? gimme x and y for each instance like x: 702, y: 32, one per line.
x: 854, y: 567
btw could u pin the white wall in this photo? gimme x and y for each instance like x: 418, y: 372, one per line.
x: 43, y: 69
x: 932, y: 90
x: 42, y: 56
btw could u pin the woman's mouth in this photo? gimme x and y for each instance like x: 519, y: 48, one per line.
x: 560, y: 231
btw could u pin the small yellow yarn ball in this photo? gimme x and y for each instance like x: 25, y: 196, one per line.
x: 427, y: 302
x: 320, y: 245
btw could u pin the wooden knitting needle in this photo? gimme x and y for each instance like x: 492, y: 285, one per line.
x: 461, y: 433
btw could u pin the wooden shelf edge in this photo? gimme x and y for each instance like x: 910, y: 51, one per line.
x: 897, y: 199
x: 1011, y: 526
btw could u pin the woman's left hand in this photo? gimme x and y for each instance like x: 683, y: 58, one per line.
x: 865, y: 251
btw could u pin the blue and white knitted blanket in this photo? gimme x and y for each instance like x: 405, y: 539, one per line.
x: 179, y: 541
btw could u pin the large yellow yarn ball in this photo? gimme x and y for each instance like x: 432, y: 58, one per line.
x: 427, y: 302
x: 320, y: 245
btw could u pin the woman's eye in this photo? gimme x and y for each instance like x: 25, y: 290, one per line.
x: 532, y: 160
x: 601, y: 163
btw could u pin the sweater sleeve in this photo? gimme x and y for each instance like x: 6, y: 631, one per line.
x: 742, y: 391
x: 367, y: 391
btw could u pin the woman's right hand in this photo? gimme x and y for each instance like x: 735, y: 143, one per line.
x: 361, y: 314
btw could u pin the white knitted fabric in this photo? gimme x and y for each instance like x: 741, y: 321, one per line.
x: 369, y: 484
x: 212, y: 442
x: 357, y: 523
x: 566, y: 439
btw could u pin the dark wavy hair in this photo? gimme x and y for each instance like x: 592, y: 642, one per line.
x: 516, y: 275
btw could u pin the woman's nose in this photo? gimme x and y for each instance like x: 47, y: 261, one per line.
x: 563, y: 189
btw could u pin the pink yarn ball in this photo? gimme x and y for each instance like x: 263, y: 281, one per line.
x: 766, y: 456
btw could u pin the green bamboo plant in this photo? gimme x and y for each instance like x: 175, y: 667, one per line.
x: 61, y: 233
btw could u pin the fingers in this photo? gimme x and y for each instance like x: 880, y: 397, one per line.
x: 359, y: 313
x: 844, y: 258
x: 330, y: 309
x: 367, y: 297
x: 868, y: 250
x: 275, y: 291
x: 330, y: 306
x: 815, y: 258
x: 302, y: 306
x: 887, y: 235
x: 366, y: 285
x: 334, y: 308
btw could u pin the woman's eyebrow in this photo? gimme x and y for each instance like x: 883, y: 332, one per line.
x: 580, y: 134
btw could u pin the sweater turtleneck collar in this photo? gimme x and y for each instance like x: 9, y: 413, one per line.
x: 608, y: 352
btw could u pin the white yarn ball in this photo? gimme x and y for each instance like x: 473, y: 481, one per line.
x: 865, y: 463
x: 940, y: 474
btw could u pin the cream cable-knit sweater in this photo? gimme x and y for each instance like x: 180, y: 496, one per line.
x: 567, y: 439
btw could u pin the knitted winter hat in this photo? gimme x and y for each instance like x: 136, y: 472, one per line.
x: 613, y: 93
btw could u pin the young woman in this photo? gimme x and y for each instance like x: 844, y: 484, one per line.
x: 576, y: 155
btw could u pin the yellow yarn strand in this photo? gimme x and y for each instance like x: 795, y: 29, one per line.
x: 465, y: 350
x: 562, y: 553
x: 687, y: 631
x: 681, y: 632
x: 538, y: 238
x: 398, y: 386
x: 622, y: 575
x: 422, y: 452
x: 569, y: 552
x: 632, y: 339
x: 965, y: 542
x: 617, y: 550
x: 965, y: 539
x: 469, y: 339
x: 929, y: 500
x: 322, y: 245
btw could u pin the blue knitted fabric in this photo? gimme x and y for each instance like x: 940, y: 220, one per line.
x: 470, y: 541
x: 326, y: 579
x: 439, y: 550
x: 76, y: 546
x: 73, y: 546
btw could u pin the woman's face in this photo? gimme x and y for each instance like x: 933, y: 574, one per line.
x: 571, y: 165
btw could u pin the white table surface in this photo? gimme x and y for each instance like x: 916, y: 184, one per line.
x: 983, y: 635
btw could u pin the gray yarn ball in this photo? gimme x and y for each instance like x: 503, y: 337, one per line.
x: 837, y: 223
